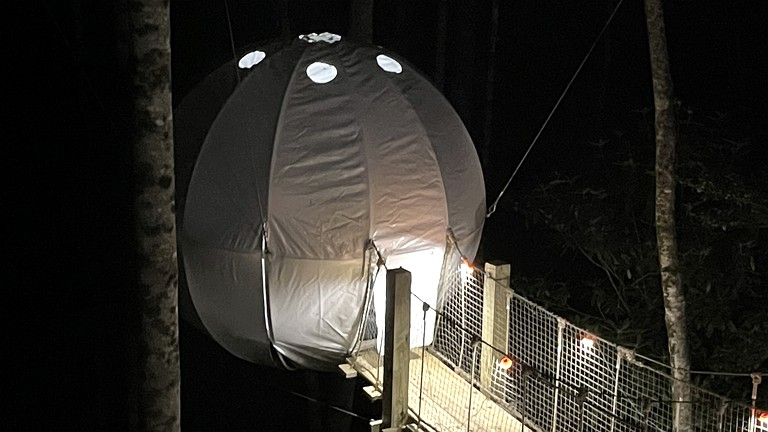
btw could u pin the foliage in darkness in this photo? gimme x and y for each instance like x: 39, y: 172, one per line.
x: 605, y: 215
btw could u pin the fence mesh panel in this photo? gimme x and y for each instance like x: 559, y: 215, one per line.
x: 638, y: 405
x: 587, y: 380
x: 531, y: 389
x: 551, y: 376
x: 460, y: 322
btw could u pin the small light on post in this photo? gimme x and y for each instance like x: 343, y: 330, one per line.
x: 466, y: 268
x: 763, y: 419
x: 505, y: 363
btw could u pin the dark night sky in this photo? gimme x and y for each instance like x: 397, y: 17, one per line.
x: 69, y: 194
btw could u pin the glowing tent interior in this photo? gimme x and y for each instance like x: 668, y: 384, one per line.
x: 303, y: 172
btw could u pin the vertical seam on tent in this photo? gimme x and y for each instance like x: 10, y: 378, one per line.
x: 368, y: 294
x: 259, y: 198
x: 366, y: 154
x: 265, y: 276
x: 445, y: 101
x: 423, y: 129
x: 278, y: 127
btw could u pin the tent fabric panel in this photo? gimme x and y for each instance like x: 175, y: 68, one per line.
x: 199, y: 108
x: 460, y: 168
x: 318, y: 204
x: 408, y: 207
x: 226, y: 290
x: 229, y: 192
x: 317, y: 309
x: 191, y: 121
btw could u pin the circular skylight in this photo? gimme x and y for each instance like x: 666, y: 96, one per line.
x: 321, y: 73
x: 251, y: 59
x: 388, y: 64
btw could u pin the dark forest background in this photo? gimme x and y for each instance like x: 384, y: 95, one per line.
x: 574, y: 223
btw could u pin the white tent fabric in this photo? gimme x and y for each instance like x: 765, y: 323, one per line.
x: 323, y: 148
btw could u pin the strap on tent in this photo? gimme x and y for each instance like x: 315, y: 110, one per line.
x: 275, y: 351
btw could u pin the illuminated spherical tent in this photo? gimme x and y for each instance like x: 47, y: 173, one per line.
x: 323, y: 162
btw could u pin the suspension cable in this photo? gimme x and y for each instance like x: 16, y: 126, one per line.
x: 492, y: 208
x: 232, y: 41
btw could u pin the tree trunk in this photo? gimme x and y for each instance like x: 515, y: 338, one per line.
x: 361, y: 21
x: 285, y: 19
x: 489, y: 85
x: 461, y: 86
x: 157, y: 372
x: 440, y: 44
x: 666, y: 237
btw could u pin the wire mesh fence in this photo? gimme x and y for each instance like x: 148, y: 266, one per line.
x: 545, y: 373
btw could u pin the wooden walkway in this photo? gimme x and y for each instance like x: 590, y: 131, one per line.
x: 445, y: 395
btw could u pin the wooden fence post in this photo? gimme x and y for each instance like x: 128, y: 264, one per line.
x: 397, y: 349
x: 496, y: 295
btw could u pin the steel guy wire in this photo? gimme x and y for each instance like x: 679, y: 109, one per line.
x: 492, y: 208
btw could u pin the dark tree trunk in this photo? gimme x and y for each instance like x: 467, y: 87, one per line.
x: 157, y: 351
x: 461, y: 87
x: 489, y: 85
x: 361, y: 21
x: 666, y: 237
x: 440, y: 44
x: 285, y: 21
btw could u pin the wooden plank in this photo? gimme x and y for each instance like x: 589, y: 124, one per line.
x: 444, y: 396
x: 372, y: 393
x: 347, y: 370
x: 397, y: 338
x: 495, y: 319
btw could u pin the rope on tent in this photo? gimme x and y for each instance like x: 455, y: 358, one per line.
x: 232, y: 41
x: 492, y: 208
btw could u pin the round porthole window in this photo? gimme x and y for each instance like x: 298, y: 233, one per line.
x: 321, y: 73
x: 251, y: 59
x: 389, y: 64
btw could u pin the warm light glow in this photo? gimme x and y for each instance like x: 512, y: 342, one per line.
x: 763, y: 418
x: 505, y: 363
x: 466, y: 268
x: 424, y: 266
x: 587, y: 342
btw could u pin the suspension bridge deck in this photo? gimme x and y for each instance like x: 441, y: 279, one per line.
x: 441, y: 396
